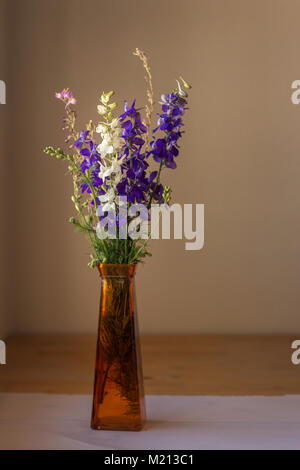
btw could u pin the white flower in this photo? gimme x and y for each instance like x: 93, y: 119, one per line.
x: 109, y: 196
x: 111, y: 134
x: 105, y: 147
x: 117, y: 142
x: 108, y: 199
x: 101, y: 129
x: 105, y: 171
x: 115, y: 124
x: 109, y: 145
x: 101, y: 109
x: 114, y: 167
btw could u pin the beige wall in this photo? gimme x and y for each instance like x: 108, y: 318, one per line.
x: 240, y: 156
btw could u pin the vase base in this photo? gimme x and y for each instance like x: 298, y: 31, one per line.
x: 109, y: 427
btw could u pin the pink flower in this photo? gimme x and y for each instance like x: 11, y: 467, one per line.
x: 66, y: 96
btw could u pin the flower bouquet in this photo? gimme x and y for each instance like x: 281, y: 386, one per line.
x: 115, y: 187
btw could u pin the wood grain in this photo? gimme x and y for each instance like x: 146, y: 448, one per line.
x: 173, y: 365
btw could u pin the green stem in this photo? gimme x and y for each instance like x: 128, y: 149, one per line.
x: 95, y: 201
x: 138, y: 252
x: 125, y: 251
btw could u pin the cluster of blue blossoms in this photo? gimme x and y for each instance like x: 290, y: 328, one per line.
x: 137, y: 183
x: 170, y: 122
x: 91, y: 161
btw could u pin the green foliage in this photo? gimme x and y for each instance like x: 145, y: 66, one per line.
x: 116, y: 251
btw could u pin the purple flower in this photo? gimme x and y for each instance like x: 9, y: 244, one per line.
x: 133, y: 128
x: 88, y: 149
x: 91, y: 160
x: 96, y: 181
x: 81, y: 140
x: 135, y: 183
x: 90, y: 152
x: 134, y: 163
x: 170, y: 122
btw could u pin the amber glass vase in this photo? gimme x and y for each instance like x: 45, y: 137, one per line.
x: 118, y: 390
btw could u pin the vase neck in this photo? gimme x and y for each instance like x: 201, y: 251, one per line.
x: 117, y: 270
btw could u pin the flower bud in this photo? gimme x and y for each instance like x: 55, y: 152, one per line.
x: 181, y: 92
x: 105, y: 97
x: 185, y: 84
x: 167, y: 194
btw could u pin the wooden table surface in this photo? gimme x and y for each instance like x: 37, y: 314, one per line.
x: 173, y: 365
